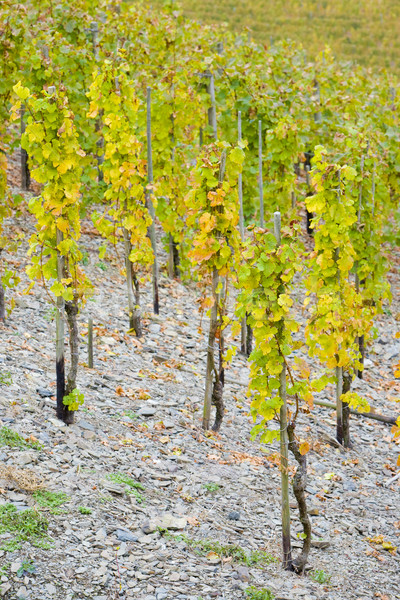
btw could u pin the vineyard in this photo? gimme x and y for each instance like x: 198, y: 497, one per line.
x: 364, y: 31
x: 199, y: 365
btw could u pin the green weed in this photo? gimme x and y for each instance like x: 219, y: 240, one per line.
x: 50, y: 500
x: 84, y: 510
x: 50, y: 314
x: 10, y: 545
x: 28, y: 567
x: 237, y: 553
x: 101, y: 265
x: 11, y: 438
x: 319, y: 576
x: 28, y: 525
x: 212, y: 487
x: 104, y: 498
x: 252, y: 593
x: 6, y: 378
x: 130, y: 414
x: 131, y: 486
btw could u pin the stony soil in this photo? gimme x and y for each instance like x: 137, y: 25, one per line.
x: 142, y: 418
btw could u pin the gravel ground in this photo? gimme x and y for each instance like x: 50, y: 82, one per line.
x: 141, y: 419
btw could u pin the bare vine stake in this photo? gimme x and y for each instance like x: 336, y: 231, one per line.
x: 129, y: 282
x: 212, y: 122
x: 150, y: 207
x: 60, y: 359
x: 90, y: 343
x: 243, y: 344
x: 260, y: 174
x: 284, y: 440
x: 240, y: 183
x: 94, y: 29
x: 210, y: 368
x: 25, y: 173
x: 212, y: 111
x: 173, y: 258
x: 2, y: 299
x: 220, y: 51
x: 339, y: 370
x: 317, y: 115
x: 309, y: 215
x: 62, y: 410
x: 361, y: 339
x: 339, y: 404
x: 135, y: 321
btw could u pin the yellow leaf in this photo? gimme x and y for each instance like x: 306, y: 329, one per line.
x: 213, y: 556
x: 235, y: 328
x: 304, y: 448
x: 62, y: 224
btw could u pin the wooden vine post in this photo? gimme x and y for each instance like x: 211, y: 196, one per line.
x: 51, y: 140
x: 361, y: 338
x: 149, y: 203
x: 212, y: 207
x: 60, y: 341
x: 243, y: 337
x: 90, y: 343
x: 260, y: 173
x: 212, y: 111
x: 124, y: 171
x: 266, y: 278
x: 8, y: 204
x: 94, y: 30
x: 215, y: 292
x: 25, y: 173
x: 309, y: 215
x: 339, y: 315
x: 284, y: 440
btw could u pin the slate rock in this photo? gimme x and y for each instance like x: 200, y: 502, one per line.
x: 125, y: 536
x: 146, y: 411
x: 110, y: 486
x: 234, y: 515
x: 83, y: 424
x: 321, y: 544
x: 43, y: 393
x: 165, y: 521
x: 243, y: 573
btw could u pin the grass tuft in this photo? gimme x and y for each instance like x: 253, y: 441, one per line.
x: 11, y: 438
x: 131, y: 486
x: 252, y: 593
x: 27, y: 525
x: 237, y: 553
x: 50, y: 500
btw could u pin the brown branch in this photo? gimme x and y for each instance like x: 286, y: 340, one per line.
x: 299, y: 484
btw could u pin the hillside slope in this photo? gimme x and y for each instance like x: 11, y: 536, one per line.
x: 365, y: 30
